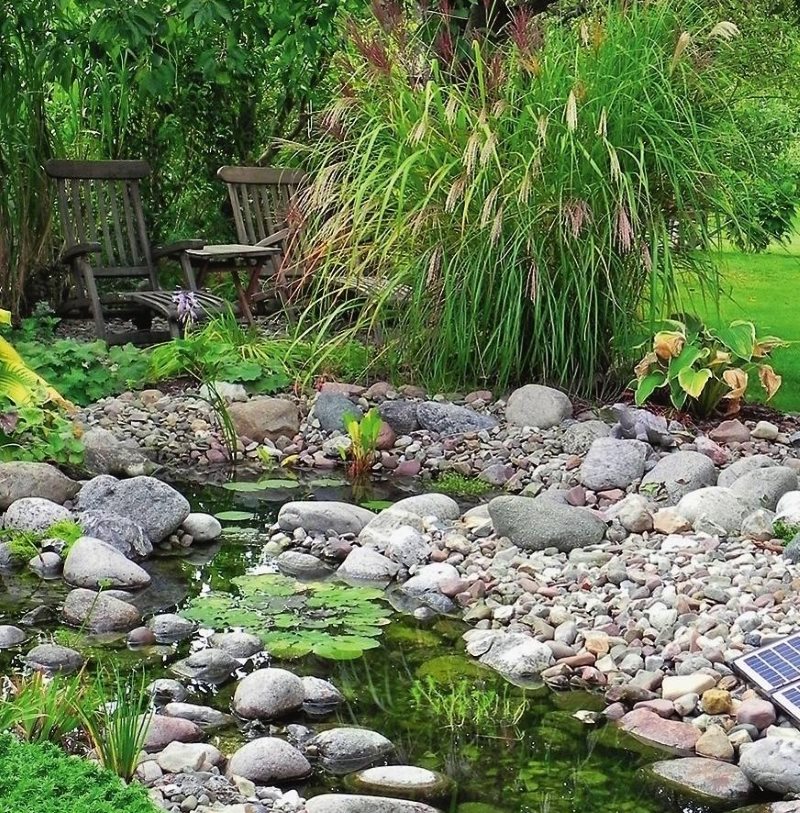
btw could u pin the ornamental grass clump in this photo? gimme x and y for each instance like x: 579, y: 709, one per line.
x: 515, y: 203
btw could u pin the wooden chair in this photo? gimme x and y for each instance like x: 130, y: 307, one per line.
x: 105, y: 238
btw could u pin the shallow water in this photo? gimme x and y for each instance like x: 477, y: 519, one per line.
x: 509, y: 750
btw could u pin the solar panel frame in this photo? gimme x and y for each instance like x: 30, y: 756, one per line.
x: 772, y: 667
x: 788, y: 699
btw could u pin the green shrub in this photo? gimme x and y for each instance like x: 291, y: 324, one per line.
x: 519, y: 203
x: 42, y: 779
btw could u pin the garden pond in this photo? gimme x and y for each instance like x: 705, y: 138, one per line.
x: 510, y: 749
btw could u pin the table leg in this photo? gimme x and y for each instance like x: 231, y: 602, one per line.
x: 244, y: 304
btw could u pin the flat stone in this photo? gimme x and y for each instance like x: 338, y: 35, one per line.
x: 319, y: 516
x: 732, y: 431
x: 264, y: 418
x: 436, y: 505
x: 169, y: 628
x: 99, y: 612
x: 19, y: 480
x: 517, y: 657
x: 449, y: 419
x: 714, y: 744
x: 104, y: 453
x: 54, y: 659
x: 706, y: 779
x: 92, y: 563
x: 184, y: 757
x: 345, y: 750
x: 537, y: 406
x: 212, y: 666
x: 11, y: 636
x: 402, y: 781
x: 237, y: 644
x: 675, y: 686
x: 348, y: 803
x: 206, y: 717
x: 675, y: 737
x: 268, y: 760
x: 163, y: 730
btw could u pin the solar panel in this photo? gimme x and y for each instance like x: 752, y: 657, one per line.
x: 772, y: 667
x: 788, y: 699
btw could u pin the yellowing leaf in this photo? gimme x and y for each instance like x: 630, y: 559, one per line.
x: 769, y: 380
x: 668, y: 344
x: 693, y: 382
x: 764, y: 346
x: 736, y: 379
x: 643, y: 367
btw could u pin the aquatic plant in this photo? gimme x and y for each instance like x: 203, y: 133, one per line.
x: 363, y: 433
x: 452, y: 482
x: 23, y: 545
x: 294, y: 619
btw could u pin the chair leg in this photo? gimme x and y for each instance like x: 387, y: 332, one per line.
x: 101, y: 329
x: 188, y: 272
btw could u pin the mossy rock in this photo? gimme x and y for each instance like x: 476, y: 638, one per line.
x: 403, y: 634
x: 578, y: 701
x: 452, y: 668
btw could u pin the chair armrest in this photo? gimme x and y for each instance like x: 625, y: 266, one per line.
x: 278, y: 237
x: 80, y: 250
x: 175, y: 249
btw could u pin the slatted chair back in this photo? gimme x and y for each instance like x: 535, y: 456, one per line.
x: 261, y: 199
x: 100, y: 202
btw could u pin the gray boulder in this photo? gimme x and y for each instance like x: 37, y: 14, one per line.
x: 578, y: 437
x: 237, y: 644
x: 759, y: 525
x: 400, y: 415
x: 163, y: 730
x: 408, y: 547
x: 766, y: 485
x: 188, y: 757
x: 46, y: 565
x: 449, y: 419
x: 715, y: 505
x: 212, y: 666
x: 126, y: 535
x: 11, y: 636
x: 539, y: 523
x: 351, y: 803
x: 202, y: 528
x: 345, y: 750
x: 156, y: 506
x: 167, y: 690
x: 677, y: 474
x: 330, y: 410
x: 535, y: 405
x: 209, y: 719
x: 319, y: 516
x: 19, y: 480
x: 612, y: 463
x: 639, y: 424
x: 267, y: 761
x: 268, y: 694
x: 366, y: 564
x: 99, y: 612
x: 53, y: 659
x: 378, y: 531
x: 727, y: 477
x: 34, y: 514
x: 105, y: 454
x: 169, y: 628
x: 516, y: 656
x: 429, y: 505
x: 320, y: 695
x: 302, y: 565
x: 92, y: 562
x: 262, y: 419
x: 707, y: 780
x: 771, y: 764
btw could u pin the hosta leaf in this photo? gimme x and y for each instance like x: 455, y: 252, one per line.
x: 769, y: 380
x: 688, y: 356
x: 739, y: 337
x: 693, y: 381
x: 648, y: 385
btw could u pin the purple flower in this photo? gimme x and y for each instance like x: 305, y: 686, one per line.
x: 188, y: 306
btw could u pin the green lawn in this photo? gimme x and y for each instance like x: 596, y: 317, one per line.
x: 764, y: 288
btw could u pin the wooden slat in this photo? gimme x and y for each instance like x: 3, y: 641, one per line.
x: 261, y: 175
x: 122, y: 256
x: 247, y: 215
x: 130, y: 229
x: 122, y: 271
x: 63, y: 210
x: 101, y: 170
x: 91, y: 215
x: 77, y: 214
x: 266, y: 205
x: 241, y: 232
x: 104, y: 213
x: 252, y: 194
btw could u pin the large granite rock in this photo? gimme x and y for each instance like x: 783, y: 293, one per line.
x: 262, y: 419
x: 319, y: 516
x: 105, y: 454
x: 99, y: 612
x: 126, y: 535
x: 54, y: 659
x: 612, y: 463
x: 345, y: 750
x: 429, y: 505
x: 268, y: 694
x: 579, y: 437
x: 516, y: 656
x: 727, y: 477
x: 154, y: 505
x: 676, y: 737
x: 705, y: 780
x: 766, y: 485
x: 93, y: 563
x: 351, y: 803
x: 212, y: 666
x: 400, y: 415
x: 163, y: 730
x: 715, y: 508
x: 677, y: 474
x: 367, y: 565
x: 19, y: 480
x: 267, y: 761
x: 34, y: 514
x: 535, y: 405
x: 450, y: 419
x: 536, y: 524
x: 202, y: 528
x: 330, y: 410
x: 772, y: 764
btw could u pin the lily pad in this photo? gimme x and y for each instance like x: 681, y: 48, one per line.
x: 244, y: 488
x: 264, y: 484
x: 327, y: 482
x: 377, y: 505
x: 234, y: 516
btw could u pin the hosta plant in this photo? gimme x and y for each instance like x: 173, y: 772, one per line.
x: 702, y: 367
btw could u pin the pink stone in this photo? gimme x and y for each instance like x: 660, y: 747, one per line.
x: 678, y: 738
x: 440, y: 555
x: 408, y: 468
x: 342, y: 389
x: 477, y: 589
x: 712, y: 450
x: 612, y: 495
x: 616, y: 711
x: 757, y: 712
x: 386, y: 437
x: 378, y: 390
x: 410, y: 391
x: 322, y: 462
x: 733, y: 431
x: 479, y: 395
x: 216, y: 456
x: 452, y: 587
x: 663, y: 708
x: 581, y: 659
x: 576, y: 496
x: 572, y: 462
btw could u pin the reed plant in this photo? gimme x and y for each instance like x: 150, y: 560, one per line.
x: 522, y: 202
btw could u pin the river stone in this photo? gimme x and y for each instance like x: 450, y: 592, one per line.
x: 612, y: 463
x: 212, y: 666
x: 46, y: 565
x: 345, y: 750
x: 449, y: 419
x: 400, y: 415
x: 348, y: 803
x: 167, y: 689
x: 759, y: 525
x: 19, y: 480
x: 320, y: 695
x: 267, y: 761
x: 539, y: 523
x: 11, y: 636
x: 268, y: 694
x: 579, y: 437
x: 319, y: 516
x: 772, y: 764
x: 756, y: 712
x: 366, y: 564
x: 156, y: 506
x: 162, y: 730
x: 99, y: 612
x: 675, y: 737
x: 727, y: 477
x: 766, y: 485
x: 126, y: 535
x: 106, y: 454
x: 184, y: 757
x: 408, y: 547
x: 91, y: 562
x: 330, y: 410
x: 708, y: 780
x: 302, y: 565
x: 402, y: 781
x: 677, y: 474
x: 203, y: 528
x: 378, y: 531
x: 537, y: 406
x: 265, y: 418
x: 429, y: 505
x: 206, y: 717
x: 54, y: 659
x: 717, y: 505
x: 34, y: 514
x: 517, y: 657
x: 633, y: 512
x: 169, y: 628
x: 237, y: 644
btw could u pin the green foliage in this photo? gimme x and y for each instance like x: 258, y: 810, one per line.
x: 39, y: 434
x: 41, y: 779
x: 363, y: 433
x: 524, y: 202
x: 294, y: 618
x: 700, y: 366
x: 786, y: 531
x: 22, y: 545
x: 451, y: 482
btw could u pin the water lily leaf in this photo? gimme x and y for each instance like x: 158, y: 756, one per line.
x: 234, y: 516
x: 377, y: 505
x: 278, y: 484
x: 244, y: 488
x: 326, y: 482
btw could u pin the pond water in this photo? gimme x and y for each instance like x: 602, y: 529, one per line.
x: 509, y: 750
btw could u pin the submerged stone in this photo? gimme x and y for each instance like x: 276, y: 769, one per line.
x: 703, y: 780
